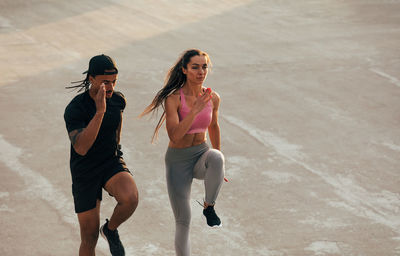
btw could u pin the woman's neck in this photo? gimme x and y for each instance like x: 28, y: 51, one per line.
x: 192, y: 89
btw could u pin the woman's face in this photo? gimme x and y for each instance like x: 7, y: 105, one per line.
x: 197, y: 68
x: 108, y: 80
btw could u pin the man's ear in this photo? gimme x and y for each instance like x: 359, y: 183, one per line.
x: 91, y: 79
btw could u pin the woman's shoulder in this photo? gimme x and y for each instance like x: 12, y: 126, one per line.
x: 215, y: 98
x: 173, y: 98
x: 215, y: 94
x: 176, y: 92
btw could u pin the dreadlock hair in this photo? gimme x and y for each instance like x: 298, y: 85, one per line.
x: 174, y: 80
x: 82, y: 84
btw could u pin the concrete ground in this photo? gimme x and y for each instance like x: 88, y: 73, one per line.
x: 310, y: 118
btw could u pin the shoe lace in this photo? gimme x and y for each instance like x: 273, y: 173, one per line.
x: 201, y: 204
x: 210, y: 212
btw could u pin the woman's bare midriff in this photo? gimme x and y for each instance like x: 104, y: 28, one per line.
x: 189, y: 140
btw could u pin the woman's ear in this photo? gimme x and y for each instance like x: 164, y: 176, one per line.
x: 184, y: 71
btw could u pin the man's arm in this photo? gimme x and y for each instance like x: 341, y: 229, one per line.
x: 119, y: 129
x: 82, y: 139
x: 118, y: 137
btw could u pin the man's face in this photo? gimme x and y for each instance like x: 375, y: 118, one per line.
x: 108, y: 80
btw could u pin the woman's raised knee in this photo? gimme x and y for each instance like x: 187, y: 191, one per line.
x: 215, y: 157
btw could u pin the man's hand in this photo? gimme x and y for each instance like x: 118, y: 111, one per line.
x: 101, y: 99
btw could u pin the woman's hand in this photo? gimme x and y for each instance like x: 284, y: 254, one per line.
x: 201, y: 101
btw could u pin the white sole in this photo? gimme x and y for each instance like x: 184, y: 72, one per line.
x: 102, y: 234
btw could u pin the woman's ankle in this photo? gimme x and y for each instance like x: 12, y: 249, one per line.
x: 207, y: 204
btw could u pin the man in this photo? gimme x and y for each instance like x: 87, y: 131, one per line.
x: 94, y: 121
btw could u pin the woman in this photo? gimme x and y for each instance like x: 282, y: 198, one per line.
x: 190, y: 110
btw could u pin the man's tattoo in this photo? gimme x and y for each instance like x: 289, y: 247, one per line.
x: 74, y: 135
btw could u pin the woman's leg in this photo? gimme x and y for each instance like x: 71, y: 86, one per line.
x: 179, y: 181
x: 210, y: 168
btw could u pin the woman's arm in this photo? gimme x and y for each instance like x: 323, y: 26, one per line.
x: 177, y: 129
x: 213, y: 128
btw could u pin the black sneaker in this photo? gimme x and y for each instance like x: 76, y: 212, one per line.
x: 212, y: 218
x: 112, y: 237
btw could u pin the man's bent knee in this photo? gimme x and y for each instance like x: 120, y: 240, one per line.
x: 133, y: 200
x: 129, y: 199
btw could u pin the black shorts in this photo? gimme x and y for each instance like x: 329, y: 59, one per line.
x: 86, y: 191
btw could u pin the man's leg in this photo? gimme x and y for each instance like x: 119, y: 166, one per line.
x: 123, y: 187
x: 89, y: 222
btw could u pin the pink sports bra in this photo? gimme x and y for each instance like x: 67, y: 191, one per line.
x: 202, y: 119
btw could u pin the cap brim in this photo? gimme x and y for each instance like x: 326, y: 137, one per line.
x: 115, y: 71
x: 112, y: 72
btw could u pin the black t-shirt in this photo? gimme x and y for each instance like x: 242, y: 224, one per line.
x: 77, y: 115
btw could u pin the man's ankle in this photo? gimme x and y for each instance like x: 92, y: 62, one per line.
x: 107, y: 226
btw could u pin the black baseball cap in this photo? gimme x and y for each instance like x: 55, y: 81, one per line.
x: 99, y: 64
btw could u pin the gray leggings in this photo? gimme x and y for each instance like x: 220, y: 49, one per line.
x: 182, y: 165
